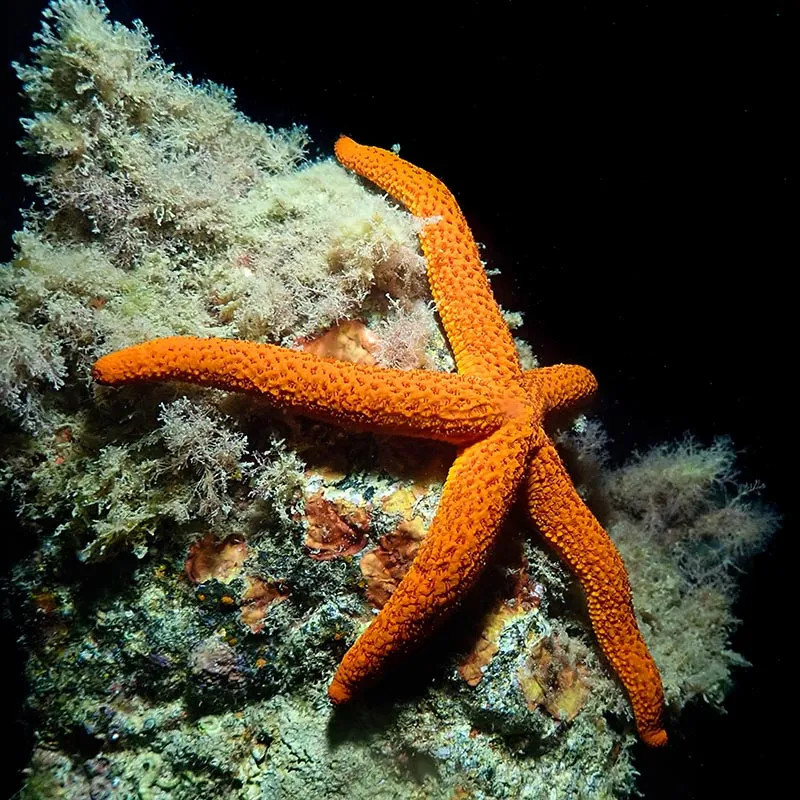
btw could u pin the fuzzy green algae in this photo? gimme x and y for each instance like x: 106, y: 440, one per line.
x: 181, y: 621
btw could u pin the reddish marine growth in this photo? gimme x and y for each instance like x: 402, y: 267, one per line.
x: 491, y: 409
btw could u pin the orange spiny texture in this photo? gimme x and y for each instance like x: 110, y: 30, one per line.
x: 491, y: 409
x: 388, y: 400
x: 480, y: 339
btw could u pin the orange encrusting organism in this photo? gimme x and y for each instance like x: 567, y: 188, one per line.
x: 491, y: 409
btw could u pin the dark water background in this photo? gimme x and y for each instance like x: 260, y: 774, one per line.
x: 627, y: 167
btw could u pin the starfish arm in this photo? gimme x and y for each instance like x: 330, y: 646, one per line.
x: 481, y: 342
x: 433, y: 405
x: 479, y: 488
x: 579, y: 539
x: 561, y: 386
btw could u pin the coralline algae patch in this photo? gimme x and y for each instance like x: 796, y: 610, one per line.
x: 210, y: 558
x: 335, y: 528
x: 378, y: 517
x: 384, y: 567
x: 223, y: 562
x: 350, y: 340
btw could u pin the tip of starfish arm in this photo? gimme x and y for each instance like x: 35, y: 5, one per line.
x: 338, y: 692
x: 343, y: 147
x: 99, y: 370
x: 654, y: 738
x: 115, y: 368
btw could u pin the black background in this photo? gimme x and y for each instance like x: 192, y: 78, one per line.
x: 627, y: 167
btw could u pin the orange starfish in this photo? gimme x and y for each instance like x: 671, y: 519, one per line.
x: 492, y: 409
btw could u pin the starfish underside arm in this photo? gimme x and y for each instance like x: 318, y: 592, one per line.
x: 481, y: 341
x: 579, y: 539
x: 479, y: 488
x: 432, y: 405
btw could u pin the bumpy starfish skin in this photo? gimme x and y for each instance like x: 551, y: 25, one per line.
x: 406, y: 402
x: 491, y: 409
x: 480, y: 339
x: 578, y: 538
